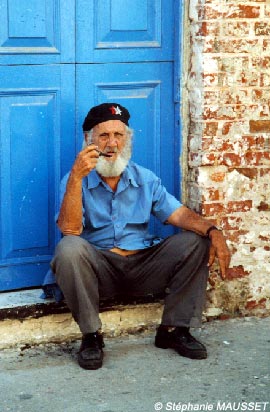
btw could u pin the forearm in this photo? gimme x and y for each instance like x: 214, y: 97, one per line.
x: 187, y: 219
x: 70, y: 216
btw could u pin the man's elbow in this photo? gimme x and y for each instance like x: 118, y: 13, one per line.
x: 65, y: 230
x: 176, y: 217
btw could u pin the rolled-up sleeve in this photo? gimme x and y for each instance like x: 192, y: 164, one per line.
x: 62, y: 191
x: 164, y: 204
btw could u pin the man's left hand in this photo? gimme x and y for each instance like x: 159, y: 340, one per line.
x: 220, y: 250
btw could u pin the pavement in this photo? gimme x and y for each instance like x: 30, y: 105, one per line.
x: 138, y: 377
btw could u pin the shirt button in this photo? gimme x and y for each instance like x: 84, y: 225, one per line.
x: 118, y: 226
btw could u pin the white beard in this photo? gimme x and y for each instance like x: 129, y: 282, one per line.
x: 107, y: 168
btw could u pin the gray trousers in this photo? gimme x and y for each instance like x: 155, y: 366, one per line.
x: 177, y: 267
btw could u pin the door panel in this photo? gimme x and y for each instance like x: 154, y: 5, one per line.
x: 127, y: 51
x: 124, y: 30
x: 146, y: 90
x: 30, y: 111
x: 37, y: 31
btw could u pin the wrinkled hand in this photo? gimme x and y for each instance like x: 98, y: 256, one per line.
x: 220, y: 250
x: 85, y: 161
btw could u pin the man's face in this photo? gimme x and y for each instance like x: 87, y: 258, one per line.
x: 110, y: 137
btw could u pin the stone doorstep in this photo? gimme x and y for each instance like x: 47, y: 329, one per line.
x: 26, y: 319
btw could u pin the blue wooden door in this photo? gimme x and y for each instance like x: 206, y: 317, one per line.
x: 125, y: 53
x: 57, y: 59
x: 37, y: 97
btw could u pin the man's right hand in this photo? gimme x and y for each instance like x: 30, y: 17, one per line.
x: 85, y: 161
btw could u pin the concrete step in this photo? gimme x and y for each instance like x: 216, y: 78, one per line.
x: 26, y: 319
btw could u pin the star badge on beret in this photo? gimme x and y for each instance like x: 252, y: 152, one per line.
x: 115, y: 110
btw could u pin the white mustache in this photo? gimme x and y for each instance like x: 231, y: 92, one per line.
x: 111, y: 150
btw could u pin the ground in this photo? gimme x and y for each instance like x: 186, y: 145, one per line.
x: 138, y: 377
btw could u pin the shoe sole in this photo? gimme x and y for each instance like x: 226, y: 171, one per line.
x: 184, y: 352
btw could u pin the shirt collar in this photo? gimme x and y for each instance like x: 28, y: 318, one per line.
x: 94, y: 179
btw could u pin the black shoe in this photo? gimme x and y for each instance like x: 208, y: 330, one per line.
x: 182, y: 341
x: 91, y: 353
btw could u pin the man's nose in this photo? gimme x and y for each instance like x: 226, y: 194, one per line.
x: 112, y: 140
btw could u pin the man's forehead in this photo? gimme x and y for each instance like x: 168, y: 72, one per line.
x: 110, y: 126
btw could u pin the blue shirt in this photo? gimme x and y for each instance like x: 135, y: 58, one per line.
x: 121, y: 218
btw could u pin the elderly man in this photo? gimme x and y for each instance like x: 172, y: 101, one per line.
x: 106, y: 250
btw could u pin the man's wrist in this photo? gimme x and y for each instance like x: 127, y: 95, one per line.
x: 74, y: 178
x: 210, y: 229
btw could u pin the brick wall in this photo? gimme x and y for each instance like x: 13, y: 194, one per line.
x: 227, y: 93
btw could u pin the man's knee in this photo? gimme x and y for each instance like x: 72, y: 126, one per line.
x: 71, y: 248
x: 197, y: 241
x: 190, y: 239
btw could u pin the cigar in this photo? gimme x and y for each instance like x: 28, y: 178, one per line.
x: 100, y: 152
x: 103, y: 154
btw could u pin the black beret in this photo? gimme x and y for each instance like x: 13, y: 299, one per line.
x: 103, y: 112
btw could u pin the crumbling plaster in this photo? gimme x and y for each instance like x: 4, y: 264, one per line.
x: 226, y: 169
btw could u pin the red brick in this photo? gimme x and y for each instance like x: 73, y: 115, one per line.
x: 218, y: 176
x: 227, y: 127
x: 208, y: 28
x: 257, y: 94
x: 260, y: 63
x: 206, y: 143
x: 263, y: 207
x: 210, y: 159
x: 231, y: 45
x: 264, y: 238
x: 211, y: 97
x: 210, y: 12
x: 257, y: 158
x: 264, y: 79
x: 239, y: 206
x: 262, y: 96
x: 235, y: 235
x: 252, y: 142
x: 224, y: 146
x: 266, y: 45
x: 230, y: 222
x: 256, y: 126
x: 212, y: 209
x: 233, y: 63
x: 239, y: 96
x: 210, y: 79
x: 213, y: 194
x: 231, y: 159
x: 262, y: 28
x: 237, y: 272
x: 242, y: 11
x: 230, y: 28
x: 253, y: 304
x: 229, y: 112
x: 247, y: 78
x: 265, y: 171
x: 251, y: 173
